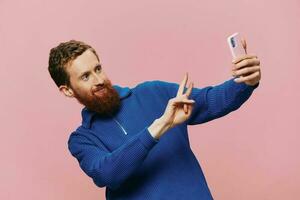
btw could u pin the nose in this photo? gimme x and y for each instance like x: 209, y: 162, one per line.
x: 98, y: 80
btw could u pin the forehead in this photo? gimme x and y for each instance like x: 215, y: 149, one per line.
x: 85, y: 62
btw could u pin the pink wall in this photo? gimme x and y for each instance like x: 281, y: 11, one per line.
x: 249, y: 154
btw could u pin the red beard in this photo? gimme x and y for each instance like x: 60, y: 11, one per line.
x: 104, y: 100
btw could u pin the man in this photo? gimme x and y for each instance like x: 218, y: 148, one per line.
x: 134, y: 141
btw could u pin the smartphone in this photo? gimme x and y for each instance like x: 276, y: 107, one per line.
x: 235, y: 45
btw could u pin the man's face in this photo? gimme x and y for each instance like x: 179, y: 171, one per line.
x: 90, y: 86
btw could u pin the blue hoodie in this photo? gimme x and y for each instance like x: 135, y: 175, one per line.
x: 120, y: 154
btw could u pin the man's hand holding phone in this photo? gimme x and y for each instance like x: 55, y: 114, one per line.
x: 246, y: 68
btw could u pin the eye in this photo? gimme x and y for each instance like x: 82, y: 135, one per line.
x: 98, y: 68
x: 85, y: 77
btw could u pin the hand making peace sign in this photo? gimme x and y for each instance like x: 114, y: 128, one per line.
x: 180, y: 107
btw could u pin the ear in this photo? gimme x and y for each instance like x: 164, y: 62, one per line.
x: 67, y: 91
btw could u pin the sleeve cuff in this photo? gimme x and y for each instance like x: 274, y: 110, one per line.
x: 243, y: 86
x: 146, y: 138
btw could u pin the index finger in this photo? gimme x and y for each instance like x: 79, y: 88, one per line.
x: 189, y: 90
x: 182, y: 85
x: 239, y: 59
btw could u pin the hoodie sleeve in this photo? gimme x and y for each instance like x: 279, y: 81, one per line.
x: 106, y: 168
x: 212, y: 102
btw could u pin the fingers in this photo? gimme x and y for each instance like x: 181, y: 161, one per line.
x: 182, y: 101
x: 247, y: 78
x: 189, y: 90
x: 182, y: 85
x: 241, y: 58
x: 244, y: 44
x: 187, y: 93
x: 245, y: 71
x: 246, y: 62
x: 187, y: 104
x: 185, y: 108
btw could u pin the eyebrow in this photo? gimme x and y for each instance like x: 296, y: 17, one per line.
x: 88, y: 72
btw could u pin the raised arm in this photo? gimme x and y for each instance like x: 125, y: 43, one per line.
x: 213, y: 102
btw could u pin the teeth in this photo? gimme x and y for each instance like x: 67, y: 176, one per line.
x: 100, y: 91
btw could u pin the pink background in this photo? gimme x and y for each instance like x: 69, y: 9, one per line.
x: 252, y: 153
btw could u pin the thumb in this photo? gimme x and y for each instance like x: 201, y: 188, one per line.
x: 183, y: 101
x: 244, y: 44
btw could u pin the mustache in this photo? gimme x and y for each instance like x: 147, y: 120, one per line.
x: 100, y: 87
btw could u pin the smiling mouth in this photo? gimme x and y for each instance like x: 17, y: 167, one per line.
x: 100, y: 92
